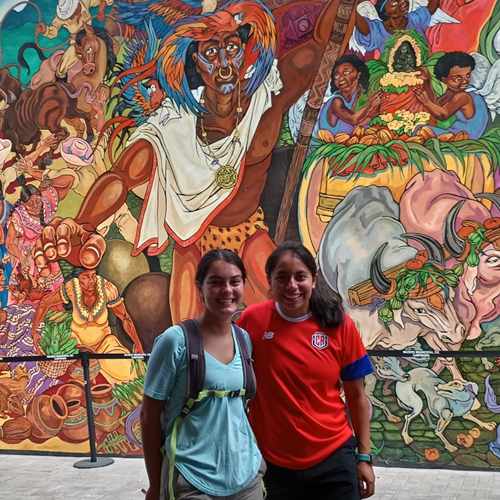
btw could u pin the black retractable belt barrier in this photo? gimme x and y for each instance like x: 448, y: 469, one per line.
x: 84, y: 356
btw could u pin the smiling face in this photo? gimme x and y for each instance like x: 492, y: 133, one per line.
x: 222, y: 289
x: 220, y: 61
x: 397, y: 8
x: 346, y: 77
x: 458, y: 79
x: 292, y: 284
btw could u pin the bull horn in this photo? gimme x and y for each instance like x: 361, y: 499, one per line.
x: 4, y: 95
x: 452, y: 242
x: 12, y: 96
x: 494, y: 198
x: 377, y: 277
x: 433, y: 247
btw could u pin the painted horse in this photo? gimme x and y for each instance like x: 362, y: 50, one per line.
x: 95, y: 50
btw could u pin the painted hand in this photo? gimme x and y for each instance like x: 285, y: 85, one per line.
x: 40, y: 29
x: 100, y: 13
x: 25, y: 165
x: 421, y: 96
x: 377, y: 99
x: 65, y: 239
x: 424, y: 73
x: 49, y: 142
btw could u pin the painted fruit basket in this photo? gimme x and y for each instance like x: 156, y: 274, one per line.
x: 376, y: 157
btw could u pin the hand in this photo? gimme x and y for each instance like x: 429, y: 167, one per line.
x: 366, y: 479
x: 101, y: 16
x: 25, y: 165
x: 422, y: 96
x: 375, y: 100
x: 151, y: 494
x: 102, y: 93
x: 40, y: 29
x: 65, y: 239
x: 36, y: 343
x: 424, y: 73
x: 49, y: 142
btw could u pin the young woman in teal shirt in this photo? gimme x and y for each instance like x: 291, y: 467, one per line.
x: 216, y: 454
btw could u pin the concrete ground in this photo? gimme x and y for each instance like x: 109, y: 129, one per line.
x: 54, y: 478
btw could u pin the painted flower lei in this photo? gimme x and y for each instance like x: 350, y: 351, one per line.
x: 414, y: 275
x: 475, y: 236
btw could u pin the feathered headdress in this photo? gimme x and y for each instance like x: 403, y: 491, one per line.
x: 135, y: 103
x: 163, y: 13
x: 171, y: 59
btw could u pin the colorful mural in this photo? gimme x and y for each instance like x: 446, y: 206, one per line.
x: 138, y: 135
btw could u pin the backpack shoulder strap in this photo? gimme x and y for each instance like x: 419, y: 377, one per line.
x: 195, y: 359
x: 249, y: 380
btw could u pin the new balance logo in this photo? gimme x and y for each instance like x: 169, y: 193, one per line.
x: 268, y: 335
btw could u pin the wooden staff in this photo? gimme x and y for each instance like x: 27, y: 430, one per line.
x: 335, y: 45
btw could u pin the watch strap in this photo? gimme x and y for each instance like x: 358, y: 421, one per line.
x: 361, y: 457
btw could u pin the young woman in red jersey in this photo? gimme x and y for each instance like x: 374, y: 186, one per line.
x: 303, y: 347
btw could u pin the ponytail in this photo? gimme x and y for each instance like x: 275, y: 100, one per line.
x: 326, y: 305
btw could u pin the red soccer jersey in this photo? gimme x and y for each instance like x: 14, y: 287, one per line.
x: 298, y: 416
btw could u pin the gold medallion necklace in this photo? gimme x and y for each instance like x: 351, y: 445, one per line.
x: 226, y: 176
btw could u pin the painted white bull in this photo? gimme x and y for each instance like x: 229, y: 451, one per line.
x: 351, y: 252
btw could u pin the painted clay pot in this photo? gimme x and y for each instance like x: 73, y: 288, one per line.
x: 107, y: 409
x: 75, y: 427
x: 74, y: 389
x: 47, y: 415
x: 75, y: 371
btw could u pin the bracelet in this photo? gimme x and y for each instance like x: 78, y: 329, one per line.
x: 360, y: 457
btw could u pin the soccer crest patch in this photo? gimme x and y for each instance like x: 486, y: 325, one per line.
x: 320, y: 340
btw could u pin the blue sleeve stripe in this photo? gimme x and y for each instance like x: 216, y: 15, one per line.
x: 357, y: 369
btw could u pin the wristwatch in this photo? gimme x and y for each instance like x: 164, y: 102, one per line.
x: 360, y: 457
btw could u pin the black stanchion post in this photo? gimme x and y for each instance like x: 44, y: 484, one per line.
x: 94, y: 461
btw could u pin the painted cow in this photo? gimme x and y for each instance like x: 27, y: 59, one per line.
x: 365, y: 237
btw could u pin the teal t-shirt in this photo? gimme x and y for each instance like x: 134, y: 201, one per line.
x: 216, y: 451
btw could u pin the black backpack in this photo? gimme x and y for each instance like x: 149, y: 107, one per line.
x: 196, y: 366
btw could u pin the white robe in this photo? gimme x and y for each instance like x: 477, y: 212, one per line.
x: 183, y: 197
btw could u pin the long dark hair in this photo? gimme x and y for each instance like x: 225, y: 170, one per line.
x: 214, y: 256
x: 325, y: 307
x: 27, y: 191
x: 358, y: 65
